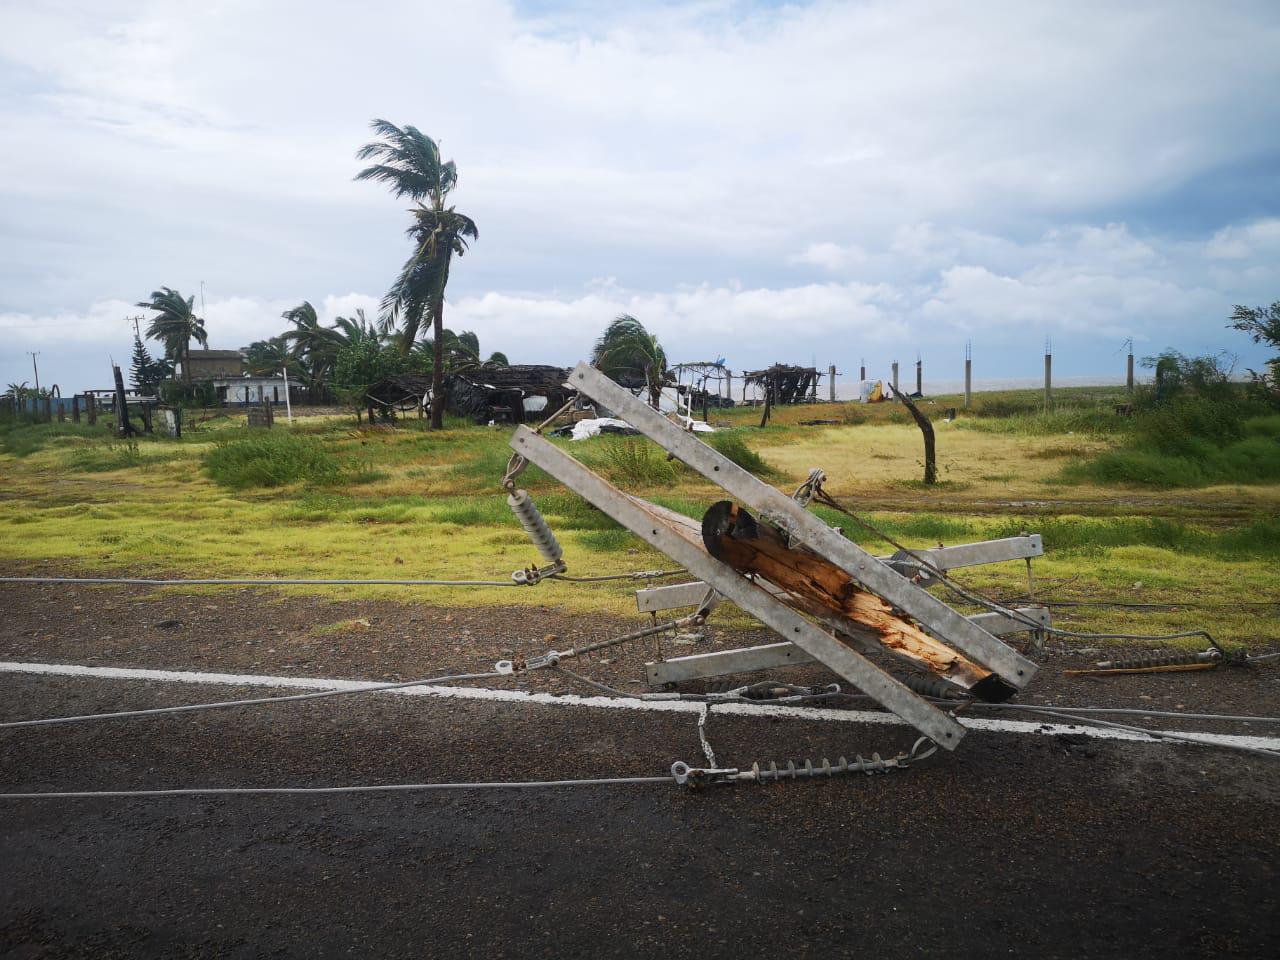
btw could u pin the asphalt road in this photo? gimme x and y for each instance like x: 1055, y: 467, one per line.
x: 1016, y: 845
x: 1019, y: 845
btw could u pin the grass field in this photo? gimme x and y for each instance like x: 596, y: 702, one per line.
x: 325, y: 499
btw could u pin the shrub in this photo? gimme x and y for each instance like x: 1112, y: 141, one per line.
x: 730, y: 444
x: 1190, y: 443
x: 633, y: 460
x: 270, y: 458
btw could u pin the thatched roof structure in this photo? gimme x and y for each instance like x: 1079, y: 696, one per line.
x: 481, y: 393
x: 783, y: 383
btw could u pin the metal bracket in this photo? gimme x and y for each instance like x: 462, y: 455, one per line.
x: 723, y: 663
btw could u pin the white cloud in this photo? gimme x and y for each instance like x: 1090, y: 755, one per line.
x: 1241, y: 242
x: 948, y: 168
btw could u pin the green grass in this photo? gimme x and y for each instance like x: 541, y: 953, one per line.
x: 271, y: 458
x: 1187, y: 446
x: 733, y: 445
x: 325, y: 498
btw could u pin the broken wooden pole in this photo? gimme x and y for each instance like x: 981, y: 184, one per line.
x: 91, y: 408
x: 926, y: 428
x: 812, y: 584
x: 75, y: 409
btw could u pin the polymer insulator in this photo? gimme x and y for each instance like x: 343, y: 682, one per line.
x: 1159, y: 658
x: 536, y: 527
x: 934, y: 687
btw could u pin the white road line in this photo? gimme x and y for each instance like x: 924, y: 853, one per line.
x: 611, y: 703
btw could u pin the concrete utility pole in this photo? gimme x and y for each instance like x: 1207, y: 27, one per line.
x: 34, y: 367
x: 895, y: 379
x: 1048, y: 373
x: 831, y: 384
x: 968, y: 373
x: 919, y: 375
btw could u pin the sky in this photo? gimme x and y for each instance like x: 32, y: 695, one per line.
x: 805, y: 183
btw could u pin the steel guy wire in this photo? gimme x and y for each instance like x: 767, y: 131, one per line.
x: 253, y: 702
x: 314, y: 791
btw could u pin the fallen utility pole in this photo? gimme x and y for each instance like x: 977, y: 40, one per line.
x: 831, y: 599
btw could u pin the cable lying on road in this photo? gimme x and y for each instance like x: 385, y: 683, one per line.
x: 313, y: 791
x: 309, y: 582
x: 253, y: 702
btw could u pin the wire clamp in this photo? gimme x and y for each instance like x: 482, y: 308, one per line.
x: 696, y: 778
x: 533, y: 574
x: 520, y: 664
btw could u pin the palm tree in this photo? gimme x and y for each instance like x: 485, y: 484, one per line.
x: 631, y: 355
x: 409, y: 162
x: 175, y: 325
x: 267, y: 357
x: 461, y: 352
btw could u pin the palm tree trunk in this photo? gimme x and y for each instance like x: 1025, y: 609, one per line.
x: 437, y: 363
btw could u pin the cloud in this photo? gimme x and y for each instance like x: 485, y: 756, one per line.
x: 755, y: 177
x: 1245, y: 241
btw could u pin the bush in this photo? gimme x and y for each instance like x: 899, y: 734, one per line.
x: 731, y: 445
x: 1190, y: 443
x: 634, y: 460
x: 270, y: 458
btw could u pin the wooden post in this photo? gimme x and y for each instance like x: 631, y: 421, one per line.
x: 926, y: 428
x: 75, y: 408
x: 267, y: 408
x: 91, y: 407
x: 62, y: 413
x: 146, y: 418
x: 48, y: 409
x: 123, y: 427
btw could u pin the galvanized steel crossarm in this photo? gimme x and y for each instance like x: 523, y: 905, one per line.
x: 661, y: 534
x: 808, y: 529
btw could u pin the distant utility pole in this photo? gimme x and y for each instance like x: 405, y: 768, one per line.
x: 35, y: 367
x: 862, y: 370
x: 968, y: 372
x: 831, y: 373
x: 1128, y: 379
x: 895, y: 379
x: 919, y: 374
x: 1048, y: 373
